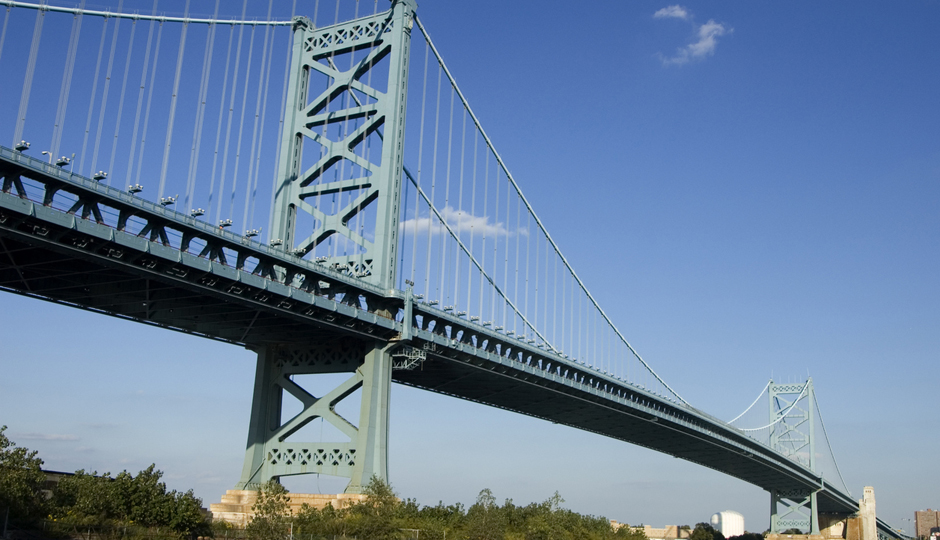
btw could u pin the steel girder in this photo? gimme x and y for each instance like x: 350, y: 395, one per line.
x: 48, y: 253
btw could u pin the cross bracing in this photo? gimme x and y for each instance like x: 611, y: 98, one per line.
x: 51, y: 254
x: 471, y: 286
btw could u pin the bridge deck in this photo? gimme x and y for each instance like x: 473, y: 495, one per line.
x: 58, y: 255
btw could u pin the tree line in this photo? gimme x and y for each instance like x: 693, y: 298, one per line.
x: 124, y: 505
x: 140, y: 505
x: 381, y: 515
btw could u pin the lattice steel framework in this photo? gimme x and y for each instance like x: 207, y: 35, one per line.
x: 353, y: 94
x: 381, y: 39
x: 792, y: 434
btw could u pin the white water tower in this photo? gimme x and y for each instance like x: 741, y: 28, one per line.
x: 729, y: 523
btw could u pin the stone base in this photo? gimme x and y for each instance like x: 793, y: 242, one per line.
x: 236, y: 504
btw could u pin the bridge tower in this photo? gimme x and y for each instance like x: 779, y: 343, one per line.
x: 365, y: 65
x: 792, y: 434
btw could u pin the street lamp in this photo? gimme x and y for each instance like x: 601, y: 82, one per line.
x: 48, y: 153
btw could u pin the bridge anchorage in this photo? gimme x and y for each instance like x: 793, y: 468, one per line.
x: 341, y: 281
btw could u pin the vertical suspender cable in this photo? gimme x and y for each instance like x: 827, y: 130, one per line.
x: 218, y: 129
x: 3, y: 32
x: 447, y: 209
x: 544, y: 230
x: 107, y: 87
x: 173, y: 101
x: 140, y: 97
x: 495, y: 248
x: 94, y: 93
x: 535, y: 290
x: 66, y: 82
x: 506, y: 255
x: 241, y: 123
x: 460, y: 218
x: 263, y: 94
x: 516, y: 265
x: 153, y: 79
x: 117, y: 121
x: 437, y: 124
x: 231, y: 111
x: 473, y: 209
x: 28, y: 80
x: 201, y: 110
x: 528, y: 252
x: 486, y: 185
x: 424, y: 100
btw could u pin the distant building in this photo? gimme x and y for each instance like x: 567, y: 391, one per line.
x: 728, y: 523
x: 926, y: 523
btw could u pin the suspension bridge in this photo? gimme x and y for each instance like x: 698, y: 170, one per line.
x: 319, y: 190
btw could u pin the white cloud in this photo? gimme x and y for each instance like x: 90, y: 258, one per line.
x: 676, y: 12
x: 460, y: 222
x: 707, y: 39
x: 46, y: 437
x: 706, y: 36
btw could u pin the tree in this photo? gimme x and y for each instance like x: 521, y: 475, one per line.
x: 704, y: 531
x: 373, y: 518
x: 484, y: 520
x: 186, y: 517
x: 271, y: 519
x: 326, y: 522
x: 747, y: 536
x: 21, y: 480
x: 87, y: 500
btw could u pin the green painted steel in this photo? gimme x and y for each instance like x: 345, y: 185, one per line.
x: 792, y: 435
x: 273, y: 453
x: 387, y: 38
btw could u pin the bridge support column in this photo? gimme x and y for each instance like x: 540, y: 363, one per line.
x: 792, y: 433
x: 271, y: 453
x: 793, y: 509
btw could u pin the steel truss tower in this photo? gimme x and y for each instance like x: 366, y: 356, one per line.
x: 370, y: 95
x: 792, y: 434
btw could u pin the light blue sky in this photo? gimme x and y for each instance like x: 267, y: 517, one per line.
x: 751, y: 190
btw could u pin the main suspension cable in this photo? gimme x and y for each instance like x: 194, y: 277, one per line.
x: 752, y: 404
x: 139, y: 17
x: 782, y: 416
x: 539, y: 222
x: 829, y: 445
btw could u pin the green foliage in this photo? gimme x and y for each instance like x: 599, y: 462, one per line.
x: 375, y: 516
x: 485, y: 521
x: 271, y: 519
x: 319, y: 523
x: 704, y: 531
x: 88, y: 500
x: 21, y: 480
x: 747, y: 536
x: 131, y: 506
